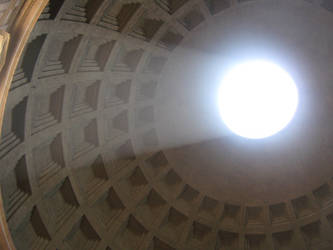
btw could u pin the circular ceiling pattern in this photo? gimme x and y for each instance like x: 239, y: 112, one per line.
x: 105, y: 99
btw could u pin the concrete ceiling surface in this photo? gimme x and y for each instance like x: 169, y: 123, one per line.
x: 112, y: 138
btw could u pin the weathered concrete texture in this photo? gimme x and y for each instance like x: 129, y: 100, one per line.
x: 86, y: 151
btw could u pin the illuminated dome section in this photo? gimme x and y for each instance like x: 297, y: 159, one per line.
x: 257, y: 99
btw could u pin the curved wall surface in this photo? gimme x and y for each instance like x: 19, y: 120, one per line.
x: 108, y: 140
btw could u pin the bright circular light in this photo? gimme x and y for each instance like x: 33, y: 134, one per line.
x: 257, y: 99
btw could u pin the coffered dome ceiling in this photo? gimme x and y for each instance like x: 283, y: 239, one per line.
x: 112, y: 139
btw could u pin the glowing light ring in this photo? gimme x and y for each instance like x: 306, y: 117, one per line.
x: 257, y: 99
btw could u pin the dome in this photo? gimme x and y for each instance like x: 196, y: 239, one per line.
x: 111, y: 134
